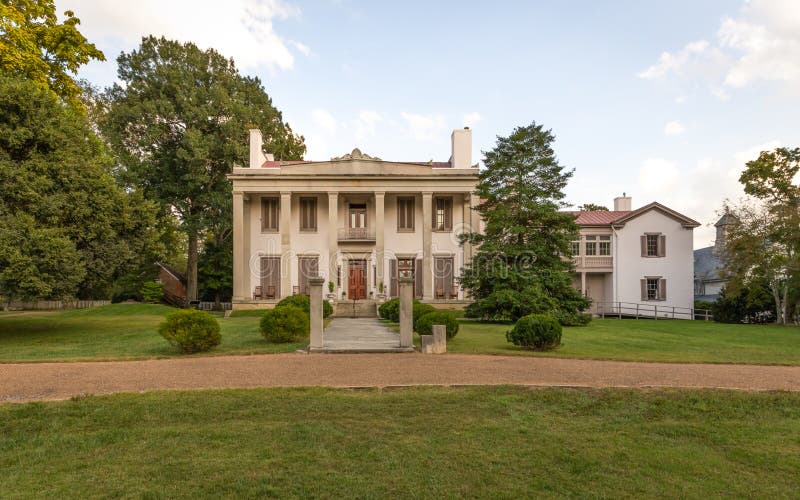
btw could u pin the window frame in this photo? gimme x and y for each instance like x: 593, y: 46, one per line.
x: 265, y: 201
x: 447, y: 222
x: 406, y: 206
x: 304, y: 214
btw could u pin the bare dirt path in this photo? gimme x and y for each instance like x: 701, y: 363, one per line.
x: 44, y: 381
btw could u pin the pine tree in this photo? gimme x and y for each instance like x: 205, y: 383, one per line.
x: 522, y: 264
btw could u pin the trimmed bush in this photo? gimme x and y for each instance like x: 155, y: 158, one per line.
x: 419, y: 310
x: 152, y: 292
x: 191, y: 330
x: 390, y: 310
x: 287, y: 323
x: 573, y: 319
x: 446, y: 318
x: 304, y: 303
x: 538, y: 332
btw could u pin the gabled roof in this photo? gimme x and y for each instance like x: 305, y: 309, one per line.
x: 618, y: 218
x: 706, y: 264
x: 171, y: 270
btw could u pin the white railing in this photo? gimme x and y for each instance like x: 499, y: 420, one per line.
x: 593, y: 261
x: 209, y: 306
x: 52, y: 305
x: 652, y: 311
x: 356, y: 234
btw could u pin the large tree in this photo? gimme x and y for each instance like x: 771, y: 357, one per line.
x: 67, y: 227
x: 763, y: 246
x: 38, y: 48
x: 178, y: 121
x: 522, y: 264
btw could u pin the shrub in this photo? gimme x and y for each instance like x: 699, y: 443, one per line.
x: 304, y: 303
x: 538, y: 332
x: 287, y: 323
x: 573, y: 319
x: 152, y: 292
x: 446, y: 318
x: 419, y: 310
x: 191, y: 330
x: 390, y: 310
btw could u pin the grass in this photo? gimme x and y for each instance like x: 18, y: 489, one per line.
x: 648, y: 340
x: 498, y: 442
x: 118, y: 331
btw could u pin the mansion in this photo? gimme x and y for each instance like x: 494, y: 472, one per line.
x: 361, y: 222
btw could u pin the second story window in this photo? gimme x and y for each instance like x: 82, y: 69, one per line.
x: 575, y: 248
x: 270, y: 214
x: 443, y: 214
x: 405, y: 214
x: 604, y: 245
x: 591, y: 245
x: 653, y: 245
x: 308, y: 214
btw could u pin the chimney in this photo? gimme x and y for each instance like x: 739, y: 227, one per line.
x: 622, y: 203
x: 257, y: 157
x: 461, y: 148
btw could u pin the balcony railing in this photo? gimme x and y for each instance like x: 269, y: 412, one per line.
x: 593, y: 261
x: 356, y: 234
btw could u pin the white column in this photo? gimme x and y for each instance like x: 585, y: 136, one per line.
x: 427, y: 228
x: 239, y: 245
x: 379, y: 244
x: 333, y: 234
x: 406, y: 311
x: 286, y: 243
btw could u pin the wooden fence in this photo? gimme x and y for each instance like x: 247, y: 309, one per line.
x: 53, y: 305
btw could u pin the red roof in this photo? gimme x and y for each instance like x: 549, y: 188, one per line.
x: 598, y: 217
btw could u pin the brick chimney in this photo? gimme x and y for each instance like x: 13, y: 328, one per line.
x: 461, y: 148
x: 622, y: 203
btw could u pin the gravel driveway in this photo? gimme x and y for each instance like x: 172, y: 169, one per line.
x: 44, y: 381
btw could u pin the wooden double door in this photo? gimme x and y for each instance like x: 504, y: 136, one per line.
x: 357, y: 279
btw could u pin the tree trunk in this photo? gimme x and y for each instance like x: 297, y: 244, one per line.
x: 218, y: 299
x: 776, y: 295
x: 191, y: 267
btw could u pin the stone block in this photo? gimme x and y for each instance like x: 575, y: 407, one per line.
x: 426, y: 344
x: 439, y: 339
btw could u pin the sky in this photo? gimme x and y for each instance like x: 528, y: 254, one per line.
x: 664, y: 101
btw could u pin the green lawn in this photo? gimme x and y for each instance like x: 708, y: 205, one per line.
x: 649, y: 340
x: 119, y: 331
x: 420, y: 442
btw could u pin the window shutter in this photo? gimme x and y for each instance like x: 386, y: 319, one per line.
x: 448, y: 214
x: 410, y: 213
x: 393, y: 278
x: 662, y: 246
x: 643, y: 240
x: 418, y: 277
x: 662, y: 289
x: 433, y: 212
x: 643, y: 283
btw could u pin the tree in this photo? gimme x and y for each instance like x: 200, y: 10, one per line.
x: 764, y: 244
x: 178, y: 122
x: 591, y: 207
x: 36, y: 47
x: 520, y: 266
x: 68, y: 228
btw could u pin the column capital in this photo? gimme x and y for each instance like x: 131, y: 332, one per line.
x: 286, y: 193
x: 379, y: 193
x: 427, y: 194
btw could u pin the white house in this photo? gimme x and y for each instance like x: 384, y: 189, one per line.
x: 641, y: 256
x: 356, y: 220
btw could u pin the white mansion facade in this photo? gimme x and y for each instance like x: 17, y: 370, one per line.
x: 361, y: 222
x: 356, y: 220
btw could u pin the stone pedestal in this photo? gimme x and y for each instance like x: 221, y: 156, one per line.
x: 436, y: 343
x: 315, y: 313
x: 406, y: 311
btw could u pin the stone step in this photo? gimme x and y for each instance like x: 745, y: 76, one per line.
x: 357, y: 309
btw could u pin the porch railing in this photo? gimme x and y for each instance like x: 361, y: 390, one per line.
x: 357, y: 234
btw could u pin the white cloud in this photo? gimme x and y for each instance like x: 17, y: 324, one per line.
x: 470, y: 119
x: 242, y: 29
x: 301, y: 47
x: 762, y: 43
x: 324, y: 120
x: 674, y: 128
x: 366, y: 124
x: 428, y: 127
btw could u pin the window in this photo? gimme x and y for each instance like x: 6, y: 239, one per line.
x: 405, y: 214
x: 575, y: 247
x: 270, y: 214
x: 308, y: 214
x: 591, y: 245
x: 654, y: 245
x: 604, y: 245
x: 443, y: 214
x: 654, y: 288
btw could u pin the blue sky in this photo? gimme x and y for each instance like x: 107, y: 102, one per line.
x: 663, y: 100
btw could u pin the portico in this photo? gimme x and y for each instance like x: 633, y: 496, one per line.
x: 355, y: 220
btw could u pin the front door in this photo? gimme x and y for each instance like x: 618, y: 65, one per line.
x: 357, y: 279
